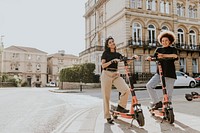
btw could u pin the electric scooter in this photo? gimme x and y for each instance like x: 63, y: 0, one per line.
x: 193, y: 95
x: 166, y: 112
x: 135, y: 109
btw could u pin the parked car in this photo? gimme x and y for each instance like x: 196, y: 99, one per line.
x: 51, y: 84
x: 197, y: 80
x: 184, y: 80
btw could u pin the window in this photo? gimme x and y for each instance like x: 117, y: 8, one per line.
x: 164, y: 28
x: 101, y: 18
x: 38, y: 67
x: 192, y: 11
x: 15, y: 55
x: 135, y: 3
x: 194, y: 66
x: 137, y: 34
x: 29, y: 67
x: 151, y: 5
x: 29, y: 57
x: 167, y: 7
x: 152, y: 35
x: 182, y: 65
x: 38, y: 57
x: 180, y: 37
x: 192, y: 37
x: 60, y: 60
x: 164, y: 7
x: 138, y: 64
x: 180, y: 10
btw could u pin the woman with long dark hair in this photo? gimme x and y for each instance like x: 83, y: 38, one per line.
x: 110, y: 76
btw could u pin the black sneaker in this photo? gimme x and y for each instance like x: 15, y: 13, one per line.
x: 110, y: 121
x: 157, y: 105
x: 121, y: 109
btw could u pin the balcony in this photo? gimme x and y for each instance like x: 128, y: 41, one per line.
x: 153, y: 44
x: 91, y: 49
x: 187, y: 47
x: 148, y: 44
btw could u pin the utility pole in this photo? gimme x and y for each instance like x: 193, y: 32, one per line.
x: 1, y: 52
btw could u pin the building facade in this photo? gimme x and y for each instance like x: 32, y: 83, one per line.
x: 56, y: 62
x: 25, y: 63
x: 135, y: 25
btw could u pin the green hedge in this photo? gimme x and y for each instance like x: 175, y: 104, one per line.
x: 79, y: 73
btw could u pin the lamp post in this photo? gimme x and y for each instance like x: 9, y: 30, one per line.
x: 1, y: 52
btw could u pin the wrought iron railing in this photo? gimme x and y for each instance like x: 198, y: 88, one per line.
x: 154, y: 44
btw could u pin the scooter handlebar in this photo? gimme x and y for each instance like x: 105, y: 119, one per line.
x: 126, y: 58
x: 159, y: 59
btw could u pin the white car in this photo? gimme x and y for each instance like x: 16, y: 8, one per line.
x: 51, y: 84
x: 184, y: 80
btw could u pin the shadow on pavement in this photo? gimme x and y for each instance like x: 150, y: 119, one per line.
x: 176, y: 127
x: 124, y: 127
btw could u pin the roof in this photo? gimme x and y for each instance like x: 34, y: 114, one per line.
x: 65, y: 55
x: 24, y: 49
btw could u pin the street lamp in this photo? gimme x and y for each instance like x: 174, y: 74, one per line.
x: 1, y: 52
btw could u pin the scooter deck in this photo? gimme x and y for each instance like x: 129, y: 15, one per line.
x: 114, y: 111
x: 157, y: 112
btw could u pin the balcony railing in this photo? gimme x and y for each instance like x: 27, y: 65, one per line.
x: 91, y: 49
x: 191, y: 47
x: 153, y: 44
x: 145, y: 44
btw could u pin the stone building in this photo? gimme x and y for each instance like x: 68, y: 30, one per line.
x: 135, y: 25
x: 25, y: 63
x: 58, y: 61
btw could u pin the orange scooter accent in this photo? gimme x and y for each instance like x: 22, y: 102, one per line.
x: 135, y: 109
x: 166, y: 111
x: 193, y: 95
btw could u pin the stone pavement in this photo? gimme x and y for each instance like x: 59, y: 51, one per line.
x: 90, y: 120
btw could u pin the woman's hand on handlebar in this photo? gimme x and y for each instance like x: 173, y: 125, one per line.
x: 115, y: 60
x: 148, y: 58
x: 136, y: 57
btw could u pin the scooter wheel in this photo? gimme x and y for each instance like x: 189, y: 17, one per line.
x: 188, y: 97
x: 194, y: 93
x: 140, y: 118
x: 170, y: 116
x: 115, y: 116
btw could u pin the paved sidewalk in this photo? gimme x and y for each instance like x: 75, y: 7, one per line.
x: 91, y: 120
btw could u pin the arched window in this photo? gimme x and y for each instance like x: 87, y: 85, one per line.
x: 192, y: 37
x: 38, y: 66
x: 152, y: 35
x: 137, y: 34
x: 164, y: 28
x: 180, y: 37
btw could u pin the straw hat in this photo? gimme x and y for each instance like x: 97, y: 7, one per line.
x: 168, y: 34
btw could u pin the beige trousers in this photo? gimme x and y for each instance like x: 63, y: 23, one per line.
x: 108, y: 79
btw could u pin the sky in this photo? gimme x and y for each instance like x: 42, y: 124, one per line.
x: 48, y: 25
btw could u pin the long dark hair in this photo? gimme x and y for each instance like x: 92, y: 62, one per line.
x: 106, y: 44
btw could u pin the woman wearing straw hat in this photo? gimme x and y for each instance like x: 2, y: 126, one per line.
x: 166, y: 39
